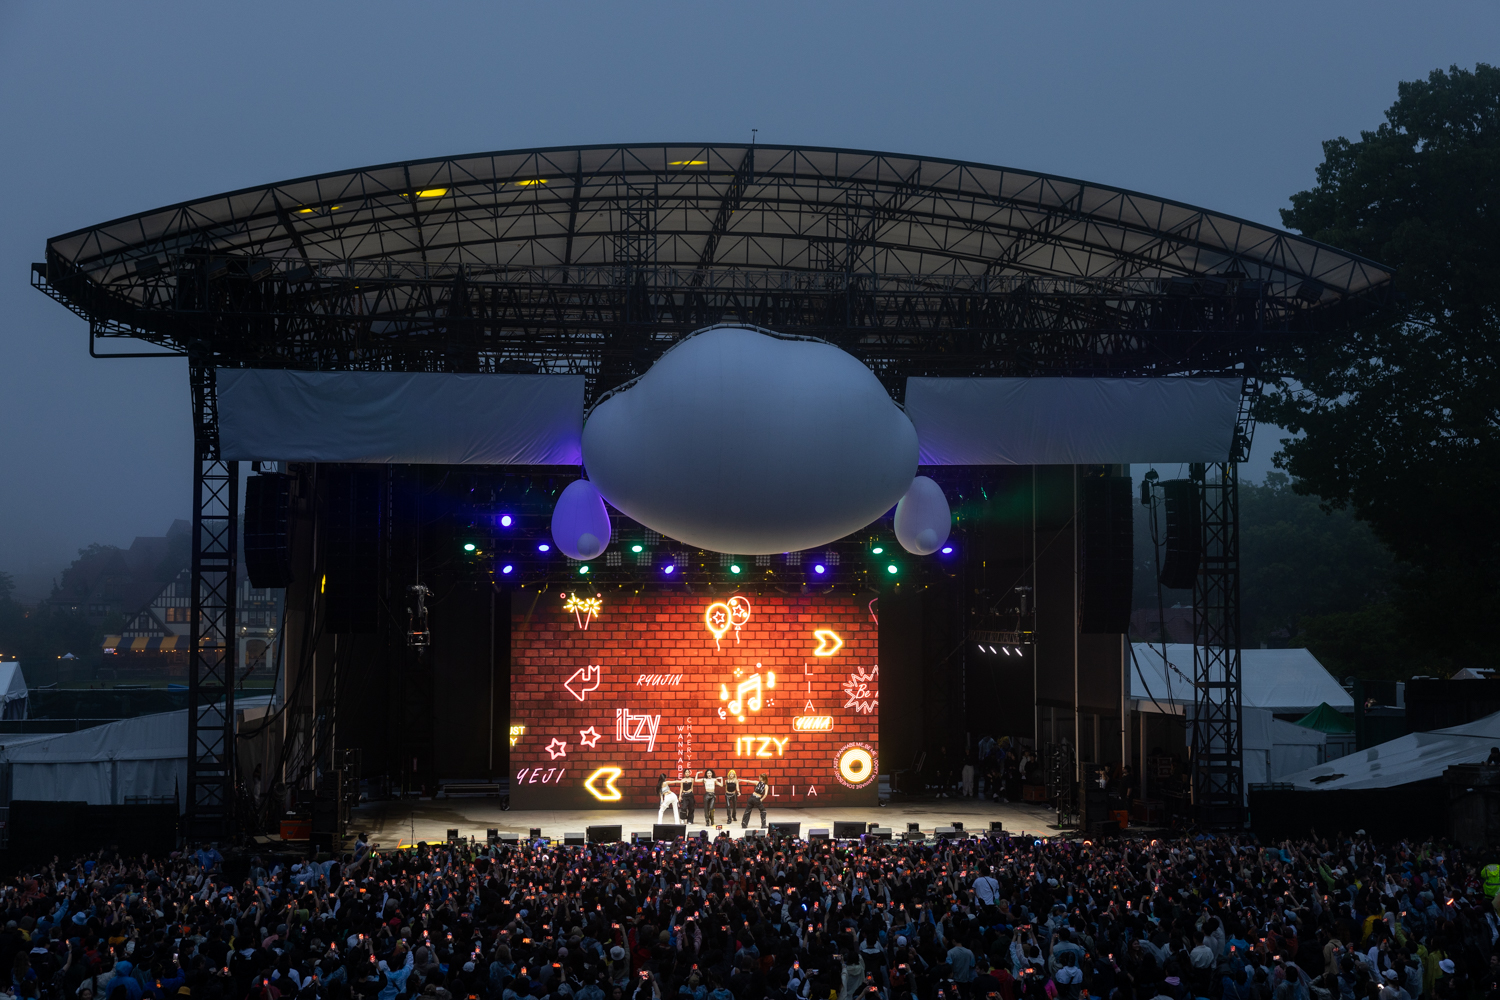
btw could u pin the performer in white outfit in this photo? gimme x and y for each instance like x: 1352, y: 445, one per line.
x: 668, y: 798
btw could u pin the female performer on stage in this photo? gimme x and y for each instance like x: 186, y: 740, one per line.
x: 731, y: 793
x: 668, y: 798
x: 710, y: 791
x: 689, y: 800
x: 757, y: 801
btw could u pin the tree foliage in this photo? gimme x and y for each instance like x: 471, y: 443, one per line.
x: 1400, y: 419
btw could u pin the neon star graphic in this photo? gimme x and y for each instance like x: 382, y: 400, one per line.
x: 588, y: 737
x: 557, y: 748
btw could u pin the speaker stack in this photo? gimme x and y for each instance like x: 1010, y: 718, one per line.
x: 1107, y: 555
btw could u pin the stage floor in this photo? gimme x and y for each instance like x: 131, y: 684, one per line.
x: 411, y: 820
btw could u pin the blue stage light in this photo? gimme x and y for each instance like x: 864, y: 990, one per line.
x: 947, y: 550
x: 506, y: 520
x: 669, y: 570
x: 507, y: 569
x: 820, y: 569
x: 544, y: 547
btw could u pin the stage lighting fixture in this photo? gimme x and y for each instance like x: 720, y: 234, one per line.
x: 506, y: 520
x: 820, y: 569
x: 891, y: 569
x: 507, y: 569
x: 669, y: 569
x: 734, y: 567
x: 635, y: 548
x: 583, y: 570
x: 469, y: 546
x: 981, y: 648
x: 544, y: 547
x: 878, y: 550
x: 947, y: 550
x: 992, y: 650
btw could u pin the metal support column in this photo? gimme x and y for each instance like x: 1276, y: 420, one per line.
x: 210, y: 776
x: 1217, y: 744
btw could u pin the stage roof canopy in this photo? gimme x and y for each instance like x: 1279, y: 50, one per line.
x: 556, y: 258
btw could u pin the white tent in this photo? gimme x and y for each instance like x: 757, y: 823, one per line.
x: 1413, y: 757
x: 12, y: 691
x: 103, y: 765
x: 1274, y: 748
x: 1277, y: 680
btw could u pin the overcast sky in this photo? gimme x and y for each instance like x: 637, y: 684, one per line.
x: 110, y: 109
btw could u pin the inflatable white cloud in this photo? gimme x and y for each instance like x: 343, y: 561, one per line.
x: 580, y: 522
x: 736, y: 441
x: 923, y: 519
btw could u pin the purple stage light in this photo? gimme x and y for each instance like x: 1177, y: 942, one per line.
x: 507, y: 569
x: 544, y: 547
x: 820, y: 569
x: 669, y: 570
x: 947, y: 550
x: 505, y: 520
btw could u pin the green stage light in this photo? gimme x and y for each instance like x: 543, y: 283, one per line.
x: 583, y: 570
x: 635, y: 548
x: 468, y: 546
x: 735, y: 568
x: 891, y: 569
x: 878, y: 549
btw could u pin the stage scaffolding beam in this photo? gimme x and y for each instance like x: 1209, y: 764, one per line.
x: 211, y: 658
x: 1217, y: 735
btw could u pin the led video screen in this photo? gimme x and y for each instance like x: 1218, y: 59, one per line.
x: 609, y: 693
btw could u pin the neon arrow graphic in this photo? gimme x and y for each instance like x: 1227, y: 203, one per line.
x: 587, y: 679
x: 609, y: 793
x: 828, y: 642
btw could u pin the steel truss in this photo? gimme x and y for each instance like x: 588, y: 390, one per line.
x: 1217, y: 737
x: 211, y: 661
x: 593, y: 260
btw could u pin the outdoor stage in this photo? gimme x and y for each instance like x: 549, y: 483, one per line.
x: 412, y: 820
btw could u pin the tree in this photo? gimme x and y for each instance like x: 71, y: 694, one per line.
x: 1400, y: 419
x: 1298, y: 561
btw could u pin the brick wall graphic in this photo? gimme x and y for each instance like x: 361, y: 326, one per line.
x: 666, y: 683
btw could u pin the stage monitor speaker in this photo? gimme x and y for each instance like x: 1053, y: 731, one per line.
x: 350, y: 531
x: 533, y: 833
x: 997, y: 826
x: 817, y: 833
x: 914, y: 828
x: 847, y: 830
x: 641, y: 838
x: 509, y: 838
x: 604, y: 834
x: 268, y: 554
x: 1107, y: 556
x: 573, y: 838
x: 1182, y: 550
x: 958, y: 826
x: 452, y: 834
x: 786, y: 829
x: 491, y: 835
x: 669, y: 831
x: 879, y: 832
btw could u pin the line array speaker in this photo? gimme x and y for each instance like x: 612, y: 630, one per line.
x: 268, y: 557
x: 1108, y: 555
x: 1183, y: 508
x: 350, y: 531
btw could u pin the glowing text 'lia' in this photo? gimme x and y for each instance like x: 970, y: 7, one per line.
x: 828, y: 642
x: 607, y: 775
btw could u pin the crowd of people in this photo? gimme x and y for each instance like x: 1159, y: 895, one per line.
x: 741, y: 919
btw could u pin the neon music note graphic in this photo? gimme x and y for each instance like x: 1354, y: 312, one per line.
x: 754, y: 687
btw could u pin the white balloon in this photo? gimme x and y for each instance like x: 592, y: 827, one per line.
x: 580, y: 522
x: 735, y: 441
x: 923, y: 518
